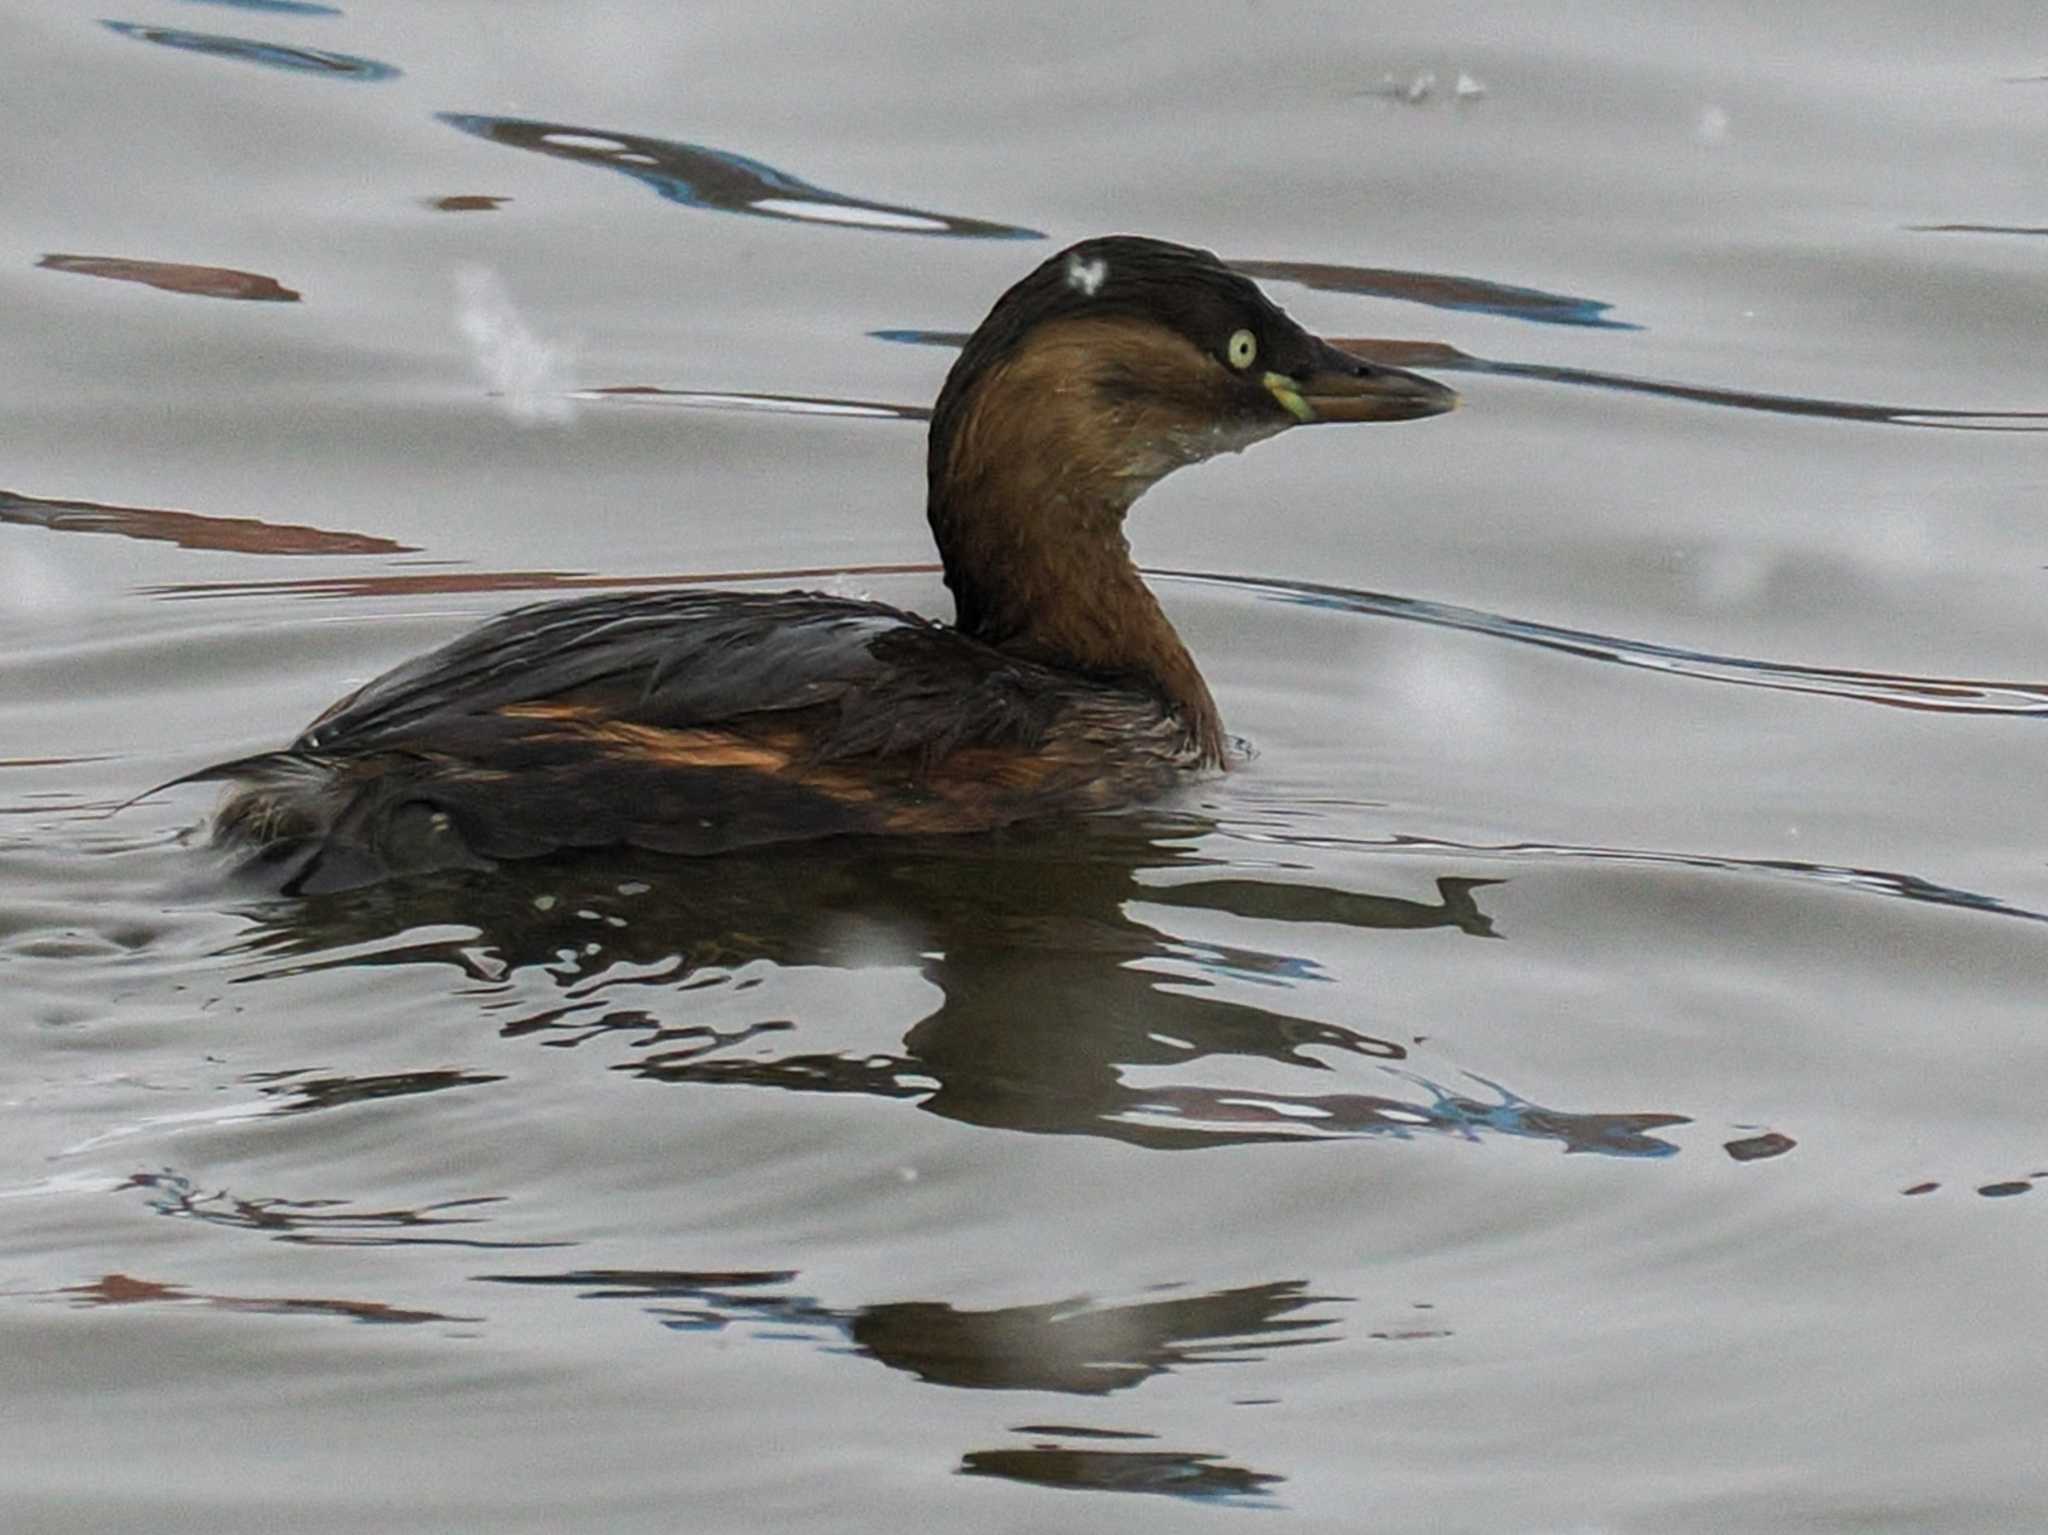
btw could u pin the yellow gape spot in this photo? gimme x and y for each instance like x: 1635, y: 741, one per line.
x: 1281, y: 387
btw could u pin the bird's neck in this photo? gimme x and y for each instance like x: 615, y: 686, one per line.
x: 1039, y: 567
x: 1035, y: 457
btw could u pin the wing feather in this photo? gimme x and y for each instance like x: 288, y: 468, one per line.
x: 884, y: 682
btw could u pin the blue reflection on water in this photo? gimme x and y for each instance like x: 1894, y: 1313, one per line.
x: 699, y: 176
x: 1442, y: 290
x: 288, y: 7
x: 309, y: 61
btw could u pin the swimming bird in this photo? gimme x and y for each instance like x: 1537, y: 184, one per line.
x: 695, y: 722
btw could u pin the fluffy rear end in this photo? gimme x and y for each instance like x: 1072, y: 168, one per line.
x: 318, y: 823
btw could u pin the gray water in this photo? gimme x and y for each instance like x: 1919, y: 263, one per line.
x: 1582, y: 1074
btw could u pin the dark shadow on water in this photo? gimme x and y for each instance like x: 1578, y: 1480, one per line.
x: 1201, y: 1477
x: 305, y: 61
x: 698, y: 176
x: 1074, y: 1346
x: 1059, y: 1010
x: 1310, y: 903
x: 301, y: 1092
x: 323, y: 1222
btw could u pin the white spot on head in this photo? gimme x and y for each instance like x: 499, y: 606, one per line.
x: 1711, y: 127
x: 1087, y: 277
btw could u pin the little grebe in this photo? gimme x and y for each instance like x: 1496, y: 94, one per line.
x: 696, y: 722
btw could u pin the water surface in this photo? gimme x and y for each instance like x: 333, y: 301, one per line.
x: 1581, y: 1073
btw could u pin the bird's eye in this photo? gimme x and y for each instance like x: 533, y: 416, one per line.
x: 1243, y: 347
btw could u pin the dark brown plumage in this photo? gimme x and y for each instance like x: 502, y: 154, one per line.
x: 696, y: 722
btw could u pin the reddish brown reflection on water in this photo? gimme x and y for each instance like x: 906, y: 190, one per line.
x: 189, y: 530
x: 175, y: 277
x: 126, y: 1290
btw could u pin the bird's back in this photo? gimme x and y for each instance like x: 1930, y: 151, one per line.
x: 690, y: 722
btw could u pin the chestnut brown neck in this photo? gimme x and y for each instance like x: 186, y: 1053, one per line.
x: 1027, y: 498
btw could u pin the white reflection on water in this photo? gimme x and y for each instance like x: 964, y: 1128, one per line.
x: 527, y: 375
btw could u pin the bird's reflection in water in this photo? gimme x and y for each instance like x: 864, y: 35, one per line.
x: 1069, y: 1346
x: 1177, y: 1473
x: 1060, y: 1011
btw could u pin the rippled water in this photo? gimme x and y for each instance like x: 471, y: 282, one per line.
x: 1582, y: 1075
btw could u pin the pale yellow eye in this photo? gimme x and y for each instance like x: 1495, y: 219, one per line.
x: 1243, y: 348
